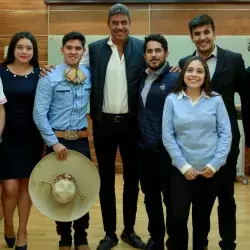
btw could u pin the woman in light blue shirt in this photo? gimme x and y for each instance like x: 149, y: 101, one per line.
x: 196, y: 132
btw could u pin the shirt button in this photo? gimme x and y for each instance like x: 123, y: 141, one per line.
x: 25, y: 76
x: 14, y: 75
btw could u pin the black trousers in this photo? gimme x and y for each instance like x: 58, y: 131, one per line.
x: 80, y: 225
x: 153, y: 172
x: 201, y: 193
x: 225, y: 194
x: 108, y: 136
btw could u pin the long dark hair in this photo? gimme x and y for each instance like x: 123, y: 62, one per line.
x: 206, y: 86
x: 10, y: 55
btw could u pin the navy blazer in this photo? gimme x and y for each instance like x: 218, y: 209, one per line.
x: 99, y: 54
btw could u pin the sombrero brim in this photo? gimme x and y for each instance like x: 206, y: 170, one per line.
x: 87, y: 179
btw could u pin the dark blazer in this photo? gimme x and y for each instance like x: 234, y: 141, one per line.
x: 230, y: 77
x: 99, y: 54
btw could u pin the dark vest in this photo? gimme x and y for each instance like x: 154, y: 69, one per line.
x: 150, y: 116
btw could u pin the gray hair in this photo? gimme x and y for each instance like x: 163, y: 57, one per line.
x: 117, y: 9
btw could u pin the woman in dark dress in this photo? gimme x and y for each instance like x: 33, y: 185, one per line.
x: 21, y: 146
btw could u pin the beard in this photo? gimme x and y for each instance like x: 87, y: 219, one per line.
x: 156, y: 67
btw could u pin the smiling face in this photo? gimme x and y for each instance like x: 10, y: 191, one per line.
x: 73, y: 52
x: 23, y: 51
x: 155, y: 56
x: 194, y: 76
x: 119, y: 26
x: 203, y: 37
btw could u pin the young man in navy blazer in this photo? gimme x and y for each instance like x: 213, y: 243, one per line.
x: 228, y: 76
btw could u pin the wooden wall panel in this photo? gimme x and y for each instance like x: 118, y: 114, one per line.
x: 175, y: 22
x: 95, y: 7
x: 1, y: 207
x: 198, y: 6
x: 14, y: 21
x: 22, y: 5
x: 20, y: 15
x: 91, y: 23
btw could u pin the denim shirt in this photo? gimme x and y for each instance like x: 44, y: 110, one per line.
x: 61, y: 105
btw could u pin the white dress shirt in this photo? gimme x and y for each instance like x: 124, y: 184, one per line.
x: 115, y: 99
x: 211, y: 61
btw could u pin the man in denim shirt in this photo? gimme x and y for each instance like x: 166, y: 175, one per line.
x: 60, y: 113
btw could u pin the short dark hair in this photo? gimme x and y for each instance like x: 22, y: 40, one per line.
x: 158, y: 38
x: 117, y: 9
x: 206, y: 86
x: 200, y: 21
x: 74, y: 35
x: 10, y: 54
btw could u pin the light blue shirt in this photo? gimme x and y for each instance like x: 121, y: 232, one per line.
x: 197, y: 134
x: 61, y: 105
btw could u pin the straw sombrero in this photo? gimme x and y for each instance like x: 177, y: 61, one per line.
x: 64, y: 190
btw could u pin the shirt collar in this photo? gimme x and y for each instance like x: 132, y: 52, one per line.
x: 182, y: 94
x: 110, y: 43
x: 65, y: 66
x: 214, y: 52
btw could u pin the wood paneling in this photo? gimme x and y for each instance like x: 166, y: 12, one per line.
x: 204, y: 6
x: 91, y: 23
x: 1, y: 208
x: 15, y: 21
x: 175, y: 22
x: 22, y: 5
x: 94, y: 6
x: 25, y: 15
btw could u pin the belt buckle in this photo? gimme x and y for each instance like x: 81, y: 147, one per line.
x: 118, y: 118
x: 71, y: 135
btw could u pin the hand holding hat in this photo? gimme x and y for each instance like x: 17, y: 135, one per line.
x: 64, y: 190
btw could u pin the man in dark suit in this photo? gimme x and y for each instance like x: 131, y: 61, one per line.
x: 115, y: 64
x: 227, y: 72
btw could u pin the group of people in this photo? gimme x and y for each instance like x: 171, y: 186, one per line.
x: 176, y: 129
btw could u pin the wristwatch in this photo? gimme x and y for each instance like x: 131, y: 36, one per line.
x: 1, y: 139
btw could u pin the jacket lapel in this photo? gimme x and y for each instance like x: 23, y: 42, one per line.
x: 219, y: 65
x: 106, y: 54
x: 128, y: 48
